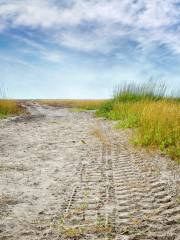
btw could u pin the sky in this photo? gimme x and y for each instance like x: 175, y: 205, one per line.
x: 84, y: 48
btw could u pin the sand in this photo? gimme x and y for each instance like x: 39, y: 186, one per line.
x: 69, y: 175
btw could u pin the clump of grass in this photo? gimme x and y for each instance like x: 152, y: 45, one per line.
x: 134, y: 92
x: 9, y: 107
x: 80, y: 104
x: 159, y: 125
x: 146, y: 108
x: 82, y: 231
x: 105, y: 108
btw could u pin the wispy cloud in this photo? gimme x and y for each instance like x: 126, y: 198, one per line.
x: 81, y: 48
x: 96, y: 25
x: 39, y: 49
x: 16, y: 61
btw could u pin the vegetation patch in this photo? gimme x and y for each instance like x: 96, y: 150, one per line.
x: 10, y: 108
x: 154, y: 116
x: 75, y: 104
x: 73, y: 223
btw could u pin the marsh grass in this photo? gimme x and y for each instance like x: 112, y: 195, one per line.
x: 159, y: 125
x: 9, y: 108
x: 75, y: 104
x: 154, y: 116
x: 133, y: 92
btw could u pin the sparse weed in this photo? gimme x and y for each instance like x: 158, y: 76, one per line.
x: 102, y: 137
x: 4, y: 167
x: 71, y: 228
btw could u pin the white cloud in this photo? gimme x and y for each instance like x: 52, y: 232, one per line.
x: 15, y: 60
x: 147, y: 22
x: 39, y: 49
x: 52, y: 56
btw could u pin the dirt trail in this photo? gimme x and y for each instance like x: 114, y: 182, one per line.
x: 67, y: 175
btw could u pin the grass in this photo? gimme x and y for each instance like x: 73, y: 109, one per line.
x: 9, y: 108
x: 76, y: 104
x: 73, y: 225
x: 155, y: 117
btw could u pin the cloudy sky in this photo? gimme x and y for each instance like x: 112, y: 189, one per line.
x: 83, y: 48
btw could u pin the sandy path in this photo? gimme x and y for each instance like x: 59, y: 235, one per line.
x: 67, y: 175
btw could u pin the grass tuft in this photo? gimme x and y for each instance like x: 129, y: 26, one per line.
x: 133, y: 92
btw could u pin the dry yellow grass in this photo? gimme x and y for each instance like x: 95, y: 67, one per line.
x: 9, y: 107
x: 84, y: 103
x: 157, y: 123
x: 102, y: 137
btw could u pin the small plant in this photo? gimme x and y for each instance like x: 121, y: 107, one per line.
x: 74, y: 225
x: 73, y: 233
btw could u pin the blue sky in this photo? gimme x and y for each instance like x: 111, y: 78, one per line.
x: 83, y: 48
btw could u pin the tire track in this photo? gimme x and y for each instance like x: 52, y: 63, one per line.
x: 89, y: 211
x: 99, y: 187
x: 145, y: 208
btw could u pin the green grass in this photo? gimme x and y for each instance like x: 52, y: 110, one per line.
x: 133, y: 92
x: 155, y: 117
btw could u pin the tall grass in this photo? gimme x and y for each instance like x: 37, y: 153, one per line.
x: 154, y: 116
x: 9, y: 108
x: 137, y: 92
x: 160, y: 125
